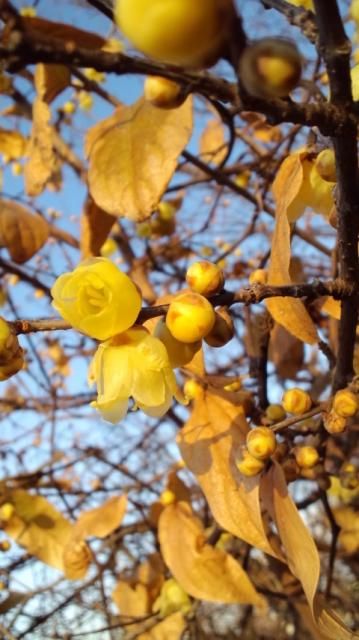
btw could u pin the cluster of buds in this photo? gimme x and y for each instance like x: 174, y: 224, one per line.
x: 260, y: 445
x: 11, y: 354
x: 345, y: 405
x: 191, y: 317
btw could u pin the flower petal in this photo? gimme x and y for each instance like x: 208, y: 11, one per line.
x: 112, y: 411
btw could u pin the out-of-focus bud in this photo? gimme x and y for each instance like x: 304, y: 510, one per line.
x: 167, y: 497
x: 275, y: 412
x: 306, y: 456
x: 296, y: 401
x: 349, y: 476
x: 345, y: 403
x: 333, y: 423
x: 223, y: 329
x: 248, y: 465
x: 163, y: 93
x: 6, y: 511
x: 261, y: 443
x: 192, y: 389
x: 5, y: 545
x: 259, y: 276
x: 270, y: 68
x: 11, y: 354
x: 325, y: 165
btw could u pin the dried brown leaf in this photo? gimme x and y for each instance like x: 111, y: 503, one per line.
x: 22, y: 232
x: 50, y: 80
x: 209, y: 444
x: 204, y: 572
x: 133, y: 155
x: 288, y: 312
x: 37, y: 27
x: 96, y: 225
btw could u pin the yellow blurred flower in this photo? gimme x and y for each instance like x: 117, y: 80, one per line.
x: 85, y: 100
x: 171, y: 599
x: 97, y: 298
x: 314, y: 193
x: 28, y: 12
x: 134, y: 365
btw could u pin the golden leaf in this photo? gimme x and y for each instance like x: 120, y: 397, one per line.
x: 103, y: 520
x: 301, y: 552
x: 132, y: 601
x: 171, y: 628
x: 77, y: 558
x: 39, y: 527
x: 96, y: 225
x: 42, y: 165
x: 288, y: 312
x: 209, y: 443
x: 332, y: 307
x: 213, y: 147
x: 22, y: 232
x: 133, y: 155
x: 12, y: 144
x: 204, y: 572
x: 50, y: 80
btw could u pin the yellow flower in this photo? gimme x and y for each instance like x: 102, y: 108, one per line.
x: 134, y: 365
x: 172, y: 598
x: 97, y: 298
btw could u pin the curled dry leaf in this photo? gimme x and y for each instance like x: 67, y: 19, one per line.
x: 39, y: 527
x: 288, y: 312
x: 213, y: 147
x: 50, y: 80
x: 133, y: 155
x: 209, y: 444
x: 42, y: 165
x: 37, y: 27
x: 96, y: 225
x: 22, y: 232
x: 204, y: 572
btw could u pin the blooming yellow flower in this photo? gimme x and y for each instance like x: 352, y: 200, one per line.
x: 97, y: 298
x: 134, y: 365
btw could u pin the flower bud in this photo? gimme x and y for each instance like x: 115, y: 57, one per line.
x: 275, y: 412
x: 167, y: 497
x: 325, y: 165
x: 345, y: 403
x: 223, y: 329
x: 179, y: 353
x: 163, y: 93
x: 190, y: 317
x: 270, y: 68
x: 349, y: 476
x: 306, y: 457
x: 205, y: 277
x: 6, y: 511
x: 248, y: 465
x: 261, y: 443
x: 296, y: 401
x: 259, y: 276
x: 334, y: 423
x: 192, y: 389
x: 5, y: 545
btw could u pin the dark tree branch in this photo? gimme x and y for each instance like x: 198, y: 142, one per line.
x: 335, y: 49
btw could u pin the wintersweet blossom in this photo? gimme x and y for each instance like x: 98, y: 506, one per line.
x: 97, y: 298
x: 134, y: 365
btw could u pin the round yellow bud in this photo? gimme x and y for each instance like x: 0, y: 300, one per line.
x: 325, y: 165
x: 306, y: 457
x: 190, y: 317
x: 192, y: 389
x: 6, y: 511
x: 248, y: 465
x: 179, y: 353
x: 167, y: 497
x: 275, y: 412
x: 163, y: 93
x: 180, y: 32
x: 17, y: 169
x: 261, y: 443
x: 296, y: 401
x: 143, y: 229
x: 223, y: 330
x: 97, y: 298
x: 161, y: 227
x: 5, y: 545
x: 345, y: 403
x: 270, y: 68
x: 333, y: 423
x: 85, y: 100
x: 259, y: 276
x: 205, y: 277
x: 69, y: 107
x: 166, y: 210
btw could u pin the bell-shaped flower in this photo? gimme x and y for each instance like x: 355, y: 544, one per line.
x: 134, y: 365
x: 97, y: 298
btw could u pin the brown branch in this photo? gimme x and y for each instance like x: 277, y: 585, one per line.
x: 335, y: 49
x: 250, y: 295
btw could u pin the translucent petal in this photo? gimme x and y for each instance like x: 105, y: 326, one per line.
x: 159, y: 410
x: 112, y: 411
x: 115, y: 373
